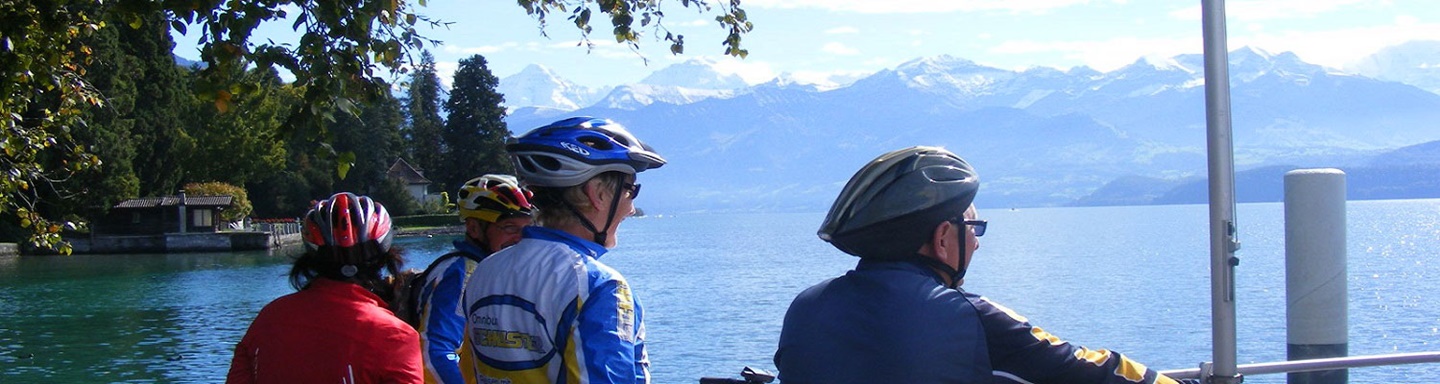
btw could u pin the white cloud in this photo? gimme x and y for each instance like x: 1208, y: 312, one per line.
x: 827, y: 79
x: 752, y: 71
x: 693, y: 23
x: 445, y: 70
x: 483, y: 50
x: 1333, y: 48
x: 918, y: 6
x: 838, y: 49
x: 1342, y: 47
x: 1102, y: 55
x: 842, y: 30
x: 1255, y: 10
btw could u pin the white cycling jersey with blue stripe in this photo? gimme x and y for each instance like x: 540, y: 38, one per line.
x: 546, y: 310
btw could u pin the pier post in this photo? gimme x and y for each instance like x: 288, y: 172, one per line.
x: 1316, y: 311
x: 183, y: 222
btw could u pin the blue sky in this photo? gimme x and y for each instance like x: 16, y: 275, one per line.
x: 811, y: 39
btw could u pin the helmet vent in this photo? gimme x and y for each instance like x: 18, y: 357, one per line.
x: 597, y: 143
x: 548, y: 163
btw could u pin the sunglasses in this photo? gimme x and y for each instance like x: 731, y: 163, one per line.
x: 979, y: 225
x: 633, y: 188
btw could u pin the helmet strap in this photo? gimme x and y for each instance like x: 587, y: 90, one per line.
x: 959, y: 274
x: 600, y: 235
x: 939, y: 266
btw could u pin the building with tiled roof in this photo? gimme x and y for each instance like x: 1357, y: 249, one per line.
x: 414, y: 179
x: 164, y: 214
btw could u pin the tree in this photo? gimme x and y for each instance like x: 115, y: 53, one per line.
x: 307, y: 177
x: 475, y: 129
x: 41, y: 95
x: 240, y: 201
x: 424, y: 134
x: 107, y: 130
x: 162, y: 97
x: 244, y: 145
x: 374, y: 138
x: 342, y: 44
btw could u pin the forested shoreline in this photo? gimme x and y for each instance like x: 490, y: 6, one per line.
x: 158, y: 129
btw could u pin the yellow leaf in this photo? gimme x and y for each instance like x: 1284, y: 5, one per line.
x: 222, y: 101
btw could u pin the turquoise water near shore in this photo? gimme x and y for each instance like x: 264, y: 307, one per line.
x: 715, y: 288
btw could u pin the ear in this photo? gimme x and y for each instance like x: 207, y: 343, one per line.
x: 941, y: 240
x: 474, y: 228
x: 594, y: 193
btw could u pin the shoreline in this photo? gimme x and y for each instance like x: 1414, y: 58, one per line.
x: 430, y: 231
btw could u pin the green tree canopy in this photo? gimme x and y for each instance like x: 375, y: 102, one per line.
x: 475, y: 129
x: 424, y: 133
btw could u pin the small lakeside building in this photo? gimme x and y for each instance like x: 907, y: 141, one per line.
x: 178, y: 223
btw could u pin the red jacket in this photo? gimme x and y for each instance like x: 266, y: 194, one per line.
x: 330, y: 332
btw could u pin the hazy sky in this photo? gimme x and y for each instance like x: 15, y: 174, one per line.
x: 812, y: 38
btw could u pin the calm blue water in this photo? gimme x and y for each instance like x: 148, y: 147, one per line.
x: 715, y: 288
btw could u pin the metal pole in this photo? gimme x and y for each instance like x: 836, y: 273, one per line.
x: 1316, y: 301
x: 1317, y: 364
x: 1221, y: 165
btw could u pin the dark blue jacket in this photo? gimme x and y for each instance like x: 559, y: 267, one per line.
x: 895, y: 322
x: 884, y: 322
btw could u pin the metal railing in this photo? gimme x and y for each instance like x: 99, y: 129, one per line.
x: 1205, y: 370
x: 277, y: 229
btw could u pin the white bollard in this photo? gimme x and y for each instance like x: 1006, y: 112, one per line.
x: 1316, y: 299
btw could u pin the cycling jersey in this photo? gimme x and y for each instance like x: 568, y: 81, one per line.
x: 329, y: 332
x: 895, y: 321
x: 441, y: 319
x: 546, y: 310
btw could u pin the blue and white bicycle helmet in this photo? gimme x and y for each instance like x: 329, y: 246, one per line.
x: 569, y: 152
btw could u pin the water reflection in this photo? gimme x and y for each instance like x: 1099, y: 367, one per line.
x: 87, y: 318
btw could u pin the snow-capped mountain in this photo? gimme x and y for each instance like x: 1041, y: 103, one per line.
x: 681, y: 83
x: 1040, y: 136
x: 698, y: 73
x: 537, y: 86
x: 636, y: 96
x: 817, y: 82
x: 1416, y: 63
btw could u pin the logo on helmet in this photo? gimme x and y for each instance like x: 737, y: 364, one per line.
x: 575, y: 148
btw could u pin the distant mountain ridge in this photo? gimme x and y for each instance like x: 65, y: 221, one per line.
x: 1039, y: 137
x: 1407, y: 173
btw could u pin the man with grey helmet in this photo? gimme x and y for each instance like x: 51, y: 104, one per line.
x: 900, y: 316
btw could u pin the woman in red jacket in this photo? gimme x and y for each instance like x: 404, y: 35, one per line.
x: 335, y: 329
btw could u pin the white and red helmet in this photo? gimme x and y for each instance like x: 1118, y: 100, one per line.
x: 346, y: 220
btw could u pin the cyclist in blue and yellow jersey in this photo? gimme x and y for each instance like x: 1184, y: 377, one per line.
x: 547, y: 310
x: 494, y: 209
x: 900, y: 316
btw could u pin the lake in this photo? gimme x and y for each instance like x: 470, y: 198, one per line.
x: 715, y: 288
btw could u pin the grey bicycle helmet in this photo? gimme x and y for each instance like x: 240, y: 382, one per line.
x: 886, y: 209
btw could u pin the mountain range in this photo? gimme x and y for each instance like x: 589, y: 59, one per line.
x: 1039, y: 137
